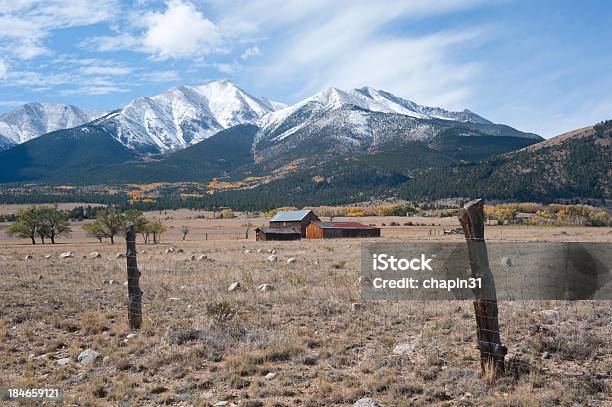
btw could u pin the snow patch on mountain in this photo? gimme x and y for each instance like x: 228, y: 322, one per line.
x: 34, y: 119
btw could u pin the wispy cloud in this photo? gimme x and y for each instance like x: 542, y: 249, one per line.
x: 250, y: 52
x: 25, y: 25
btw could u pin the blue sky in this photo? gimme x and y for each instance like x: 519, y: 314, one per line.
x: 543, y: 66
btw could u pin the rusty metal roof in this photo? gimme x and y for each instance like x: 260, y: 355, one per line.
x: 343, y: 225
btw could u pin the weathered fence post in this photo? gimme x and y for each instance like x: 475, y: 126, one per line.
x: 133, y: 275
x: 492, y: 352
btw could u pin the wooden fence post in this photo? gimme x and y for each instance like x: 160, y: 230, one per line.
x: 492, y: 352
x: 133, y: 275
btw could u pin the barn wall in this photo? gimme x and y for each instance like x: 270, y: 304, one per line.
x: 314, y: 232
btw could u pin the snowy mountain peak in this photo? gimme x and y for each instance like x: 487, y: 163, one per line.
x: 367, y: 98
x: 29, y: 121
x: 185, y: 115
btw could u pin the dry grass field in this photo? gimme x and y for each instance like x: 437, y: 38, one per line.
x: 302, y: 343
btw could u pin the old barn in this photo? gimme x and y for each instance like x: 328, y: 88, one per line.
x: 328, y: 230
x: 293, y: 220
x: 277, y: 234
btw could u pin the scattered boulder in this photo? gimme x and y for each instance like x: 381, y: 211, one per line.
x: 66, y: 255
x: 247, y: 251
x: 270, y: 376
x: 202, y: 257
x: 221, y: 403
x: 180, y: 251
x: 89, y: 356
x: 40, y: 277
x: 170, y: 250
x: 193, y: 257
x: 405, y: 348
x: 120, y: 256
x: 48, y: 256
x: 506, y: 261
x: 95, y: 255
x: 265, y: 288
x: 367, y: 402
x: 64, y: 361
x: 28, y: 257
x: 356, y: 307
x: 125, y: 284
x: 272, y: 258
x: 258, y: 250
x: 545, y: 355
x: 291, y: 260
x: 131, y: 336
x: 235, y: 286
x: 316, y: 262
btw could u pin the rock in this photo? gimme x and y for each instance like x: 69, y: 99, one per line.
x: 120, y: 256
x: 48, y: 256
x: 202, y: 257
x: 95, y: 255
x: 40, y: 277
x: 258, y: 250
x: 546, y: 355
x: 270, y: 376
x: 235, y: 286
x: 291, y: 260
x: 170, y: 250
x: 221, y: 403
x: 125, y: 284
x: 89, y: 356
x: 316, y: 262
x: 506, y: 261
x: 367, y: 402
x: 356, y: 307
x: 111, y: 282
x: 193, y: 257
x: 272, y: 258
x: 64, y: 361
x: 66, y: 255
x: 106, y: 281
x: 550, y: 313
x: 404, y: 348
x: 174, y: 299
x: 265, y: 288
x: 247, y: 251
x: 131, y: 336
x: 180, y: 251
x: 28, y: 257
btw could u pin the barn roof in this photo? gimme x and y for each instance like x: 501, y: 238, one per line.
x: 282, y: 231
x: 290, y: 216
x: 343, y: 225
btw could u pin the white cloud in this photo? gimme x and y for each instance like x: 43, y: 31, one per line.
x: 94, y: 90
x: 227, y: 68
x: 160, y: 76
x: 181, y: 31
x: 3, y: 69
x: 106, y: 70
x: 25, y: 25
x: 321, y: 44
x: 250, y: 52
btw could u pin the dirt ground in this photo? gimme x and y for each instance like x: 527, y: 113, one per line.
x: 303, y: 343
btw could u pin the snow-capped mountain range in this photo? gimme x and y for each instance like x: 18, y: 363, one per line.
x: 183, y: 116
x: 33, y: 119
x: 186, y: 115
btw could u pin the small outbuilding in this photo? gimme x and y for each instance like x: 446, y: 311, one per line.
x: 329, y: 230
x: 294, y: 220
x: 277, y: 234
